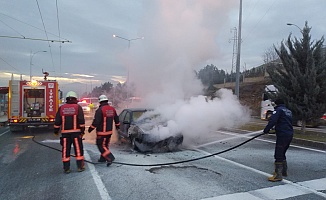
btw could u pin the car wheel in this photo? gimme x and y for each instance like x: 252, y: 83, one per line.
x: 171, y: 145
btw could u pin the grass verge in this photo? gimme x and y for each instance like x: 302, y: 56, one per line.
x: 308, y: 135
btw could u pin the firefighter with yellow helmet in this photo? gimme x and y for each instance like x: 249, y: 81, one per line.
x: 104, y: 117
x: 70, y: 117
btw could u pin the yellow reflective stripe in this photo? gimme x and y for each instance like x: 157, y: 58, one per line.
x: 75, y: 122
x: 104, y: 133
x: 70, y: 131
x: 78, y: 152
x: 63, y: 122
x: 104, y: 123
x: 64, y: 150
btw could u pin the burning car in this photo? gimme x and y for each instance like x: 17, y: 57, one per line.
x: 148, y: 131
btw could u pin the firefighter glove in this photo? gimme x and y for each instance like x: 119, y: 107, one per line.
x: 90, y: 129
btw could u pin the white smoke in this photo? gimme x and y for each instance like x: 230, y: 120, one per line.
x: 199, y: 117
x: 179, y: 36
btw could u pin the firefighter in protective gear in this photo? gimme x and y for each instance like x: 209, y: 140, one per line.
x: 70, y: 117
x: 282, y: 120
x: 104, y: 117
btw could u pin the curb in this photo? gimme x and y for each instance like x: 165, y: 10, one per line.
x: 310, y: 143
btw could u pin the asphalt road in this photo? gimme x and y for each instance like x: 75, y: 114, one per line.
x: 32, y: 171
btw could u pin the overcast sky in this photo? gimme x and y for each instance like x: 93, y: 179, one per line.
x: 179, y: 37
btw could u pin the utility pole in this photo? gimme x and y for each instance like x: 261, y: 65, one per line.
x: 237, y: 80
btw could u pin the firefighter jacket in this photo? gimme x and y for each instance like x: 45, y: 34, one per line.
x: 70, y: 117
x: 104, y: 117
x: 282, y: 120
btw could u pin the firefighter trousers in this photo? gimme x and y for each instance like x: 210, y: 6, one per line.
x: 281, y: 146
x: 66, y: 141
x: 103, y: 143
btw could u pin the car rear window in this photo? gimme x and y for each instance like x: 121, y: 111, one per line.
x: 137, y: 114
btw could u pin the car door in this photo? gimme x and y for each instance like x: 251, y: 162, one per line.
x: 124, y: 119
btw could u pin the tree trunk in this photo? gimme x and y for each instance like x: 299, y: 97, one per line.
x: 303, y: 127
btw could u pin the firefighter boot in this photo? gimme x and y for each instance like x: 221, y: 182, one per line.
x: 102, y: 159
x: 277, y: 173
x: 110, y: 160
x: 285, y: 168
x: 66, y: 167
x: 80, y: 165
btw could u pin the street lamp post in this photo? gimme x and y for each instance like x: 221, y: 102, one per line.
x: 31, y: 63
x: 290, y: 24
x: 129, y: 40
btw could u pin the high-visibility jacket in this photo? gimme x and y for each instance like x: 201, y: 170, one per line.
x: 104, y: 117
x: 70, y: 117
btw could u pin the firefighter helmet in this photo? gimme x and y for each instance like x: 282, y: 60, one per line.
x: 71, y: 94
x: 103, y: 98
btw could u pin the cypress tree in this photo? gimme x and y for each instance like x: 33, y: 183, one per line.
x: 301, y: 79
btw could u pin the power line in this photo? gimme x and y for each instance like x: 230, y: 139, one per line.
x: 10, y: 65
x: 39, y: 9
x: 27, y: 38
x: 56, y: 3
x: 66, y: 40
x: 252, y: 29
x: 11, y: 28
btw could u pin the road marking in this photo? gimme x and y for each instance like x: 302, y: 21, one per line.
x: 276, y: 192
x: 97, y: 179
x: 4, y: 133
x: 230, y: 138
x: 51, y: 141
x: 289, y: 189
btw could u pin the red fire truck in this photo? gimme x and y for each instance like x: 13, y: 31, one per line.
x: 32, y: 103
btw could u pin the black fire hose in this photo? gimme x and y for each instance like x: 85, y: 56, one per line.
x: 161, y: 164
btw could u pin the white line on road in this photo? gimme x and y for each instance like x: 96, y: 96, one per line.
x: 226, y: 139
x: 276, y: 192
x: 281, y: 191
x: 4, y: 133
x: 97, y: 179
